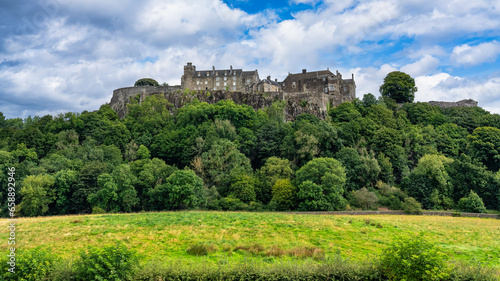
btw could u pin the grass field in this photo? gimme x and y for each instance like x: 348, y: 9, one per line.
x: 268, y: 237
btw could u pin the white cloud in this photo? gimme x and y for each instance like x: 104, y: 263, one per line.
x: 444, y: 87
x: 475, y: 55
x: 426, y: 65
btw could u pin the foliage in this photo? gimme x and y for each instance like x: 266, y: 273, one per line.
x: 472, y: 203
x: 182, y: 189
x: 35, y: 264
x: 399, y: 86
x: 321, y: 185
x: 146, y: 82
x: 114, y: 262
x: 365, y: 198
x: 411, y: 206
x: 283, y: 195
x: 412, y: 259
x: 37, y: 194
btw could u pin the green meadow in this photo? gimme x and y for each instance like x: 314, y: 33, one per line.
x: 269, y: 237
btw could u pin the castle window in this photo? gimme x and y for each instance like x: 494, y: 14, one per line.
x: 234, y: 83
x: 197, y: 82
x: 234, y: 77
x: 332, y: 87
x: 217, y: 73
x: 217, y: 84
x: 208, y: 74
x: 293, y: 84
x: 248, y: 81
x: 225, y: 72
x: 217, y: 79
x: 326, y: 89
x: 199, y: 74
x: 234, y: 88
x: 206, y: 82
x: 225, y: 78
x: 225, y: 84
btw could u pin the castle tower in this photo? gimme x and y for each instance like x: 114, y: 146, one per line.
x: 187, y: 78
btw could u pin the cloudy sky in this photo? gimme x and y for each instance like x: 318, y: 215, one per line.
x: 69, y: 55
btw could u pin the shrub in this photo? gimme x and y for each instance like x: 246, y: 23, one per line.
x: 283, y: 195
x: 232, y: 204
x: 411, y: 206
x: 199, y: 250
x: 35, y: 264
x: 114, y: 262
x: 472, y: 203
x: 146, y: 82
x: 414, y: 259
x: 365, y: 199
x: 98, y: 210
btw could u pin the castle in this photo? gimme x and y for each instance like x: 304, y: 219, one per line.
x: 237, y: 80
x: 306, y: 92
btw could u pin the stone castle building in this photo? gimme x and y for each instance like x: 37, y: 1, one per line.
x: 233, y: 80
x: 324, y: 81
x: 306, y: 92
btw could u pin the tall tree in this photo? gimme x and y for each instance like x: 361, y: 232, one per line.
x: 399, y: 86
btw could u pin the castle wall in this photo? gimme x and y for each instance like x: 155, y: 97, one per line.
x: 296, y: 103
x: 462, y: 103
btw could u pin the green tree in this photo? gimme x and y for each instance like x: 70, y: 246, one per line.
x: 106, y: 197
x: 243, y: 188
x: 284, y: 194
x: 472, y: 203
x: 273, y: 170
x: 467, y: 174
x: 146, y: 82
x: 484, y: 145
x: 143, y: 152
x: 125, y: 181
x: 321, y: 185
x: 219, y: 162
x: 430, y: 183
x: 37, y: 193
x: 182, y: 190
x: 361, y: 171
x: 365, y: 198
x: 398, y: 86
x: 64, y: 186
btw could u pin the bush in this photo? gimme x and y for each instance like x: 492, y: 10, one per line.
x: 98, y: 210
x: 35, y: 264
x: 411, y: 206
x: 146, y: 82
x: 365, y: 199
x: 414, y: 259
x: 114, y: 262
x: 472, y: 203
x: 283, y: 195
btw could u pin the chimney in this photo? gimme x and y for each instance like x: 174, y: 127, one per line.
x: 231, y: 67
x: 190, y: 63
x: 269, y: 78
x: 304, y: 71
x: 352, y: 76
x: 276, y: 80
x: 213, y: 67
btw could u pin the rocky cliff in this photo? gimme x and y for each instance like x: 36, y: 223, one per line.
x: 297, y: 103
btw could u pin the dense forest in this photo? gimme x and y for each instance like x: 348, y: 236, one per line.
x: 366, y: 154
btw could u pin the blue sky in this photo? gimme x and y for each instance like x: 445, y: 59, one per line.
x: 69, y: 55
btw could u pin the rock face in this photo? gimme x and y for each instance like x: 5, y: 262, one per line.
x: 296, y: 103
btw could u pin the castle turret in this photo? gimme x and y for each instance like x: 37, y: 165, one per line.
x: 187, y: 78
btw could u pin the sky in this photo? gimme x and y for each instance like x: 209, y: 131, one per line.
x: 58, y: 56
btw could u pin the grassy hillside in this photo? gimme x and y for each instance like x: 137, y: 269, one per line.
x: 233, y: 237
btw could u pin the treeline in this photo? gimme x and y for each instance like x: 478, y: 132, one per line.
x: 367, y: 154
